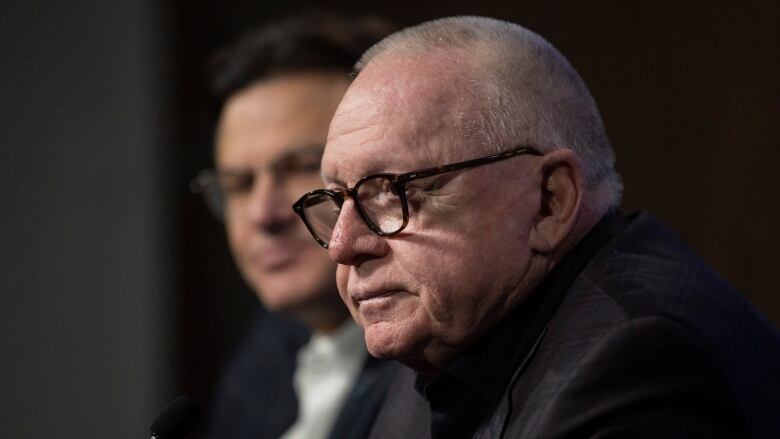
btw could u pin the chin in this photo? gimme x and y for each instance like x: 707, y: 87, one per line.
x: 290, y: 290
x: 285, y: 300
x: 280, y: 294
x: 387, y: 340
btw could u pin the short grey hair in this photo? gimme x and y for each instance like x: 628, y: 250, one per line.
x: 527, y: 92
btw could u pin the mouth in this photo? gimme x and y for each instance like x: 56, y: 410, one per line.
x: 361, y: 297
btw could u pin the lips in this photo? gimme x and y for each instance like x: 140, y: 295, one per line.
x: 363, y: 296
x: 364, y: 292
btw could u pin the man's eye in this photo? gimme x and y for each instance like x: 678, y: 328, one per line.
x: 422, y: 188
x: 389, y: 188
x: 236, y: 183
x: 431, y: 191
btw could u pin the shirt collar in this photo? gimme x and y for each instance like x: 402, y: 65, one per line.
x: 334, y: 350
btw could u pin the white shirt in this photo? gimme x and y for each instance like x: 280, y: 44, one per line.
x: 328, y: 366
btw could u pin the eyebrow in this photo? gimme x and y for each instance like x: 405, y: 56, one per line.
x: 329, y: 181
x: 311, y: 148
x: 374, y: 168
x: 307, y: 148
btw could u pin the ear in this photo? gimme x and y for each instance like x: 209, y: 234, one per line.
x: 562, y: 188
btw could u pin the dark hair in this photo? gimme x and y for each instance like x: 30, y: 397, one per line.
x: 310, y: 42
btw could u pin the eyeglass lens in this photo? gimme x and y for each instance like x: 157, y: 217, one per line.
x: 378, y: 198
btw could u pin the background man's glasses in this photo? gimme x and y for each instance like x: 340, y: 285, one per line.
x: 294, y: 171
x: 380, y: 199
x: 206, y: 183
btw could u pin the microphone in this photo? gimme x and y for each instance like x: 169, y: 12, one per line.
x: 177, y: 419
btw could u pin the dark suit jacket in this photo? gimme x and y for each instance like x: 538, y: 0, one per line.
x: 647, y: 342
x: 256, y: 399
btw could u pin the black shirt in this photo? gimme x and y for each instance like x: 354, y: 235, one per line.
x: 470, y: 387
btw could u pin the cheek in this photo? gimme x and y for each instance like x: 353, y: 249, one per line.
x: 448, y: 297
x: 460, y: 280
x: 430, y: 272
x: 314, y: 260
x: 342, y: 278
x: 238, y: 236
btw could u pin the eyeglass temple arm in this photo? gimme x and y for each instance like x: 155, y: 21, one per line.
x: 202, y: 181
x: 436, y: 170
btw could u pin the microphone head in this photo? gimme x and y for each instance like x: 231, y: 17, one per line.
x: 177, y: 419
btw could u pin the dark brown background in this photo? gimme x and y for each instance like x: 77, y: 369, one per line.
x: 688, y: 92
x: 118, y: 290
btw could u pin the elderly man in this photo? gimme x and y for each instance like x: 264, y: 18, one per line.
x: 471, y: 205
x: 278, y: 88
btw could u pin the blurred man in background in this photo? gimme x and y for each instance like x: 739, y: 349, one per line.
x: 310, y: 376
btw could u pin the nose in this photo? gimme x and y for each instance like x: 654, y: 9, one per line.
x: 268, y: 206
x: 353, y: 242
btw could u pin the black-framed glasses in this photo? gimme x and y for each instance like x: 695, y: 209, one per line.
x: 380, y: 199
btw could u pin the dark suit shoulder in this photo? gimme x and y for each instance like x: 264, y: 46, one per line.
x: 645, y: 272
x: 646, y: 377
x: 255, y: 396
x: 404, y: 412
x: 364, y: 400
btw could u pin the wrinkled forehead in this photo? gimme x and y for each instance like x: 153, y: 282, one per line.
x: 401, y: 115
